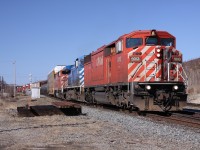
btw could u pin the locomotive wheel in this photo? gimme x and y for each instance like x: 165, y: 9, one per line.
x: 112, y: 99
x: 88, y: 97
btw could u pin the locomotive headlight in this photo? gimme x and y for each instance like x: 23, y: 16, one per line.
x: 175, y: 87
x: 153, y: 32
x: 158, y: 50
x: 148, y: 87
x: 158, y: 55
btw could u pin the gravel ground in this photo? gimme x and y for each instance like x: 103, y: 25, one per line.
x: 98, y: 129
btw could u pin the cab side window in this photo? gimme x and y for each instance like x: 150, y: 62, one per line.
x: 167, y: 41
x: 133, y: 42
x: 119, y: 47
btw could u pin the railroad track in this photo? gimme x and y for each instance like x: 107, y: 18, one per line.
x: 182, y: 118
x: 186, y: 119
x: 176, y: 118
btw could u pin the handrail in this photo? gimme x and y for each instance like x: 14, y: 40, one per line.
x: 186, y: 80
x: 178, y: 65
x: 136, y: 70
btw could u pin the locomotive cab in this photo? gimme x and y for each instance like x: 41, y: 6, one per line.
x: 159, y: 77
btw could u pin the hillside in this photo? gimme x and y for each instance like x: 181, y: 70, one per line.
x: 192, y: 69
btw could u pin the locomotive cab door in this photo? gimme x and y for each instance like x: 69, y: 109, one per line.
x: 108, y: 66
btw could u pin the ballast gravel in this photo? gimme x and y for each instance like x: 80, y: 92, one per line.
x: 152, y: 135
x: 97, y: 129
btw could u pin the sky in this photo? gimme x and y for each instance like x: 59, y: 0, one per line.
x: 39, y: 34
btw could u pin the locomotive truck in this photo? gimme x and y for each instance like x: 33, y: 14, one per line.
x: 140, y: 70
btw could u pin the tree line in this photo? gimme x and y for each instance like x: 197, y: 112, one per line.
x: 5, y: 89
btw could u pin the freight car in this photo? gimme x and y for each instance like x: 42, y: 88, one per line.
x: 142, y: 70
x: 52, y: 86
x: 43, y: 87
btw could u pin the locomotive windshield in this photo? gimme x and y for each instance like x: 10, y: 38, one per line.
x: 133, y: 42
x: 151, y: 41
x: 167, y: 41
x: 163, y: 41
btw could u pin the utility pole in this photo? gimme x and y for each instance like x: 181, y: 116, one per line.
x: 1, y: 85
x: 14, y: 90
x: 29, y: 100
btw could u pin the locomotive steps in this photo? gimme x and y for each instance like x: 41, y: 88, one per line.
x: 57, y: 108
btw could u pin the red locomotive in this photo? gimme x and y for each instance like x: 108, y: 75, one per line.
x: 55, y: 81
x: 60, y: 83
x: 141, y: 70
